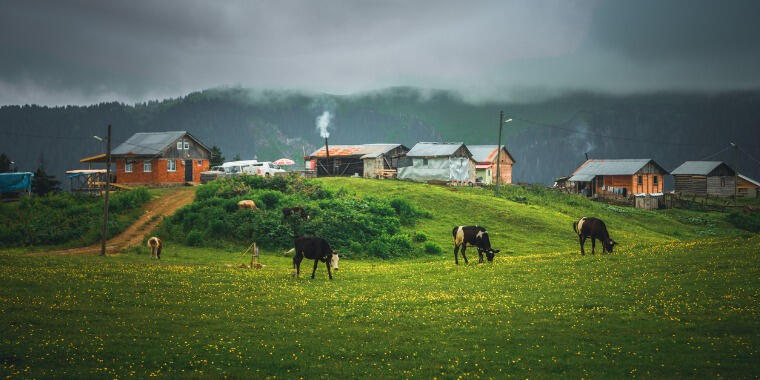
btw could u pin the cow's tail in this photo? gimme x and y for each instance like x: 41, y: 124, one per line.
x: 289, y: 252
x: 575, y: 227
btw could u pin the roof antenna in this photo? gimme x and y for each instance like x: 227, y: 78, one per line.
x: 586, y: 153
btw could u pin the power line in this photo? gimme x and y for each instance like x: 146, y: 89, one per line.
x: 716, y: 153
x: 44, y: 136
x: 748, y: 155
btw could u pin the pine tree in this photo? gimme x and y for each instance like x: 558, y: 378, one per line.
x: 216, y: 156
x: 43, y: 183
x: 236, y: 157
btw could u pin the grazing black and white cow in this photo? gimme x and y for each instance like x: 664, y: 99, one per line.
x: 472, y: 235
x: 590, y: 227
x: 316, y: 249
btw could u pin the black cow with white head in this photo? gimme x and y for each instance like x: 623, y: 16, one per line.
x: 472, y: 235
x: 590, y: 227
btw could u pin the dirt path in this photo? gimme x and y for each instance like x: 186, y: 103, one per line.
x: 154, y: 211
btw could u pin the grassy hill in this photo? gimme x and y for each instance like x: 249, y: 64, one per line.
x: 677, y: 299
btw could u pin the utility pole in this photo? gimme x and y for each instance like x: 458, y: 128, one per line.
x: 108, y: 190
x: 498, y: 153
x: 736, y: 164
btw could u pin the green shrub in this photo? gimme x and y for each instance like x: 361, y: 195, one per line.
x: 195, y: 239
x: 406, y: 212
x: 432, y: 248
x: 420, y: 237
x: 745, y: 221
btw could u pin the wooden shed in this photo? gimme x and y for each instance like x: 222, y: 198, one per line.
x: 747, y: 187
x: 705, y: 179
x: 381, y: 160
x: 486, y: 157
x: 619, y: 178
x: 340, y: 160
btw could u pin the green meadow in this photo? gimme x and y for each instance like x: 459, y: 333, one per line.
x: 678, y: 297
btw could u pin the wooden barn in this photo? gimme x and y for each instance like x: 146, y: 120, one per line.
x: 438, y: 163
x: 747, y: 187
x: 621, y: 178
x: 381, y: 160
x: 485, y: 156
x: 705, y: 179
x: 158, y: 159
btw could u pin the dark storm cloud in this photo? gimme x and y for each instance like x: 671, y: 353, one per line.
x: 84, y: 51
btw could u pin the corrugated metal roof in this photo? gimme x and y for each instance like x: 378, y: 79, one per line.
x: 744, y: 177
x: 582, y: 178
x: 375, y: 150
x: 486, y: 153
x: 435, y: 149
x: 363, y: 150
x: 147, y: 143
x: 483, y: 153
x: 696, y: 167
x: 611, y: 167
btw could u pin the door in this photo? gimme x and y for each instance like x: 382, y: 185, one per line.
x: 188, y: 170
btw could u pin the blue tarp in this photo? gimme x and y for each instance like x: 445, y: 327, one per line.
x: 15, y: 181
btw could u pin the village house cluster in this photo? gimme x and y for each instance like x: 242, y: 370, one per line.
x: 170, y: 158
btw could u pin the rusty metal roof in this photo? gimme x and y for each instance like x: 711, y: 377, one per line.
x: 363, y: 151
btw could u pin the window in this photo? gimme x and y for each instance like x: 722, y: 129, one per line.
x: 722, y: 181
x: 640, y: 180
x: 655, y: 181
x: 147, y: 166
x: 200, y: 162
x: 187, y: 145
x: 424, y: 162
x: 128, y: 167
x: 179, y: 145
x: 171, y: 166
x: 601, y: 181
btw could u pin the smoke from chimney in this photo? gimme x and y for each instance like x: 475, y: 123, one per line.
x: 322, y: 122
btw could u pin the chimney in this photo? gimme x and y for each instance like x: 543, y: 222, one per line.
x: 327, y: 159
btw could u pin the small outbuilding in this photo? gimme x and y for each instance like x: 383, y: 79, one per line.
x: 705, y: 179
x: 381, y: 160
x: 486, y: 158
x: 158, y: 159
x: 747, y: 187
x: 621, y: 178
x: 438, y: 163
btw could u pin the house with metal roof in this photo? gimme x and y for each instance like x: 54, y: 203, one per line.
x: 705, y: 178
x: 621, y: 177
x: 486, y: 158
x: 438, y: 163
x: 747, y: 187
x: 158, y: 159
x: 364, y: 160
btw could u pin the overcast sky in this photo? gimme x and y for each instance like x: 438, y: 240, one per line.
x: 77, y: 52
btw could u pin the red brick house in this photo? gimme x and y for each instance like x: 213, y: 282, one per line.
x: 486, y: 157
x: 159, y: 158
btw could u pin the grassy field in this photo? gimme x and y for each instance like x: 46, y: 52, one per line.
x: 677, y: 298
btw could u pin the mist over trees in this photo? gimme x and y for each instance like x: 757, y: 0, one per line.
x: 548, y: 138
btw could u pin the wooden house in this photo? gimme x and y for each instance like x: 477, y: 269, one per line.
x: 485, y: 156
x: 438, y: 163
x: 705, y: 179
x: 747, y: 187
x: 623, y: 178
x: 158, y: 159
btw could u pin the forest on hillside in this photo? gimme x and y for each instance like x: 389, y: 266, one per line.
x: 548, y: 138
